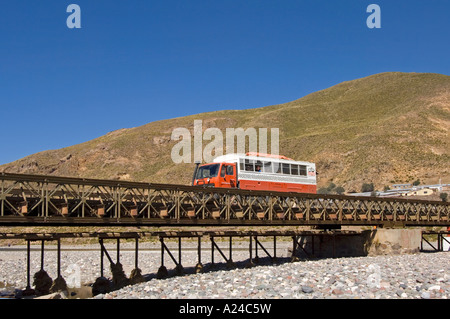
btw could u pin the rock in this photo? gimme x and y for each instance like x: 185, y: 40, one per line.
x: 307, y: 289
x: 337, y: 292
x: 58, y: 285
x: 425, y: 295
x: 55, y: 295
x: 119, y: 278
x: 385, y: 284
x: 400, y: 276
x: 101, y: 286
x: 43, y: 282
x: 108, y: 296
x: 435, y: 287
x: 136, y: 276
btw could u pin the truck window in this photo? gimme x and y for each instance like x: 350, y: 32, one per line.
x: 210, y: 170
x: 302, y: 170
x: 223, y: 170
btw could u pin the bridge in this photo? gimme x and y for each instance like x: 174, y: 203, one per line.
x: 28, y: 200
x: 51, y: 200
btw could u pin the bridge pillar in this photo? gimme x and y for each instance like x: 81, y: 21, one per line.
x: 380, y: 241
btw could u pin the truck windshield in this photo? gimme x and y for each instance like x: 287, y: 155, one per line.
x: 207, y: 171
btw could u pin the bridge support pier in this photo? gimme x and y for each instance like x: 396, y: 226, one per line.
x: 443, y: 240
x: 229, y: 261
x: 199, y: 266
x: 119, y: 279
x: 179, y: 270
x: 258, y: 243
x: 136, y: 273
x: 42, y: 281
x: 312, y: 244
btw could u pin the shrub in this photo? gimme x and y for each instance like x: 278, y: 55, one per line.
x: 367, y: 188
x: 323, y: 190
x: 331, y: 187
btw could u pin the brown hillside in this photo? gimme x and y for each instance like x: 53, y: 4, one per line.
x: 386, y: 128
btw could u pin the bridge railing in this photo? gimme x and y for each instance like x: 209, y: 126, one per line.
x: 34, y: 198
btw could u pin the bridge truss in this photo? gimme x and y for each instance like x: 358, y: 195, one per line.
x: 50, y: 200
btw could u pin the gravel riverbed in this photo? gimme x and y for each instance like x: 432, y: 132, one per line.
x: 409, y: 276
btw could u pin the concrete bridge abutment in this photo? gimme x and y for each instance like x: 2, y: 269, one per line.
x: 372, y: 242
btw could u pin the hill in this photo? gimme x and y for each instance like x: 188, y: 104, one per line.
x: 386, y: 128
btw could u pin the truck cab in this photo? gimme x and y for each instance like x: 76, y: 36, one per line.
x: 216, y: 175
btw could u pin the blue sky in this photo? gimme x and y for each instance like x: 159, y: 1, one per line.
x: 138, y: 61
